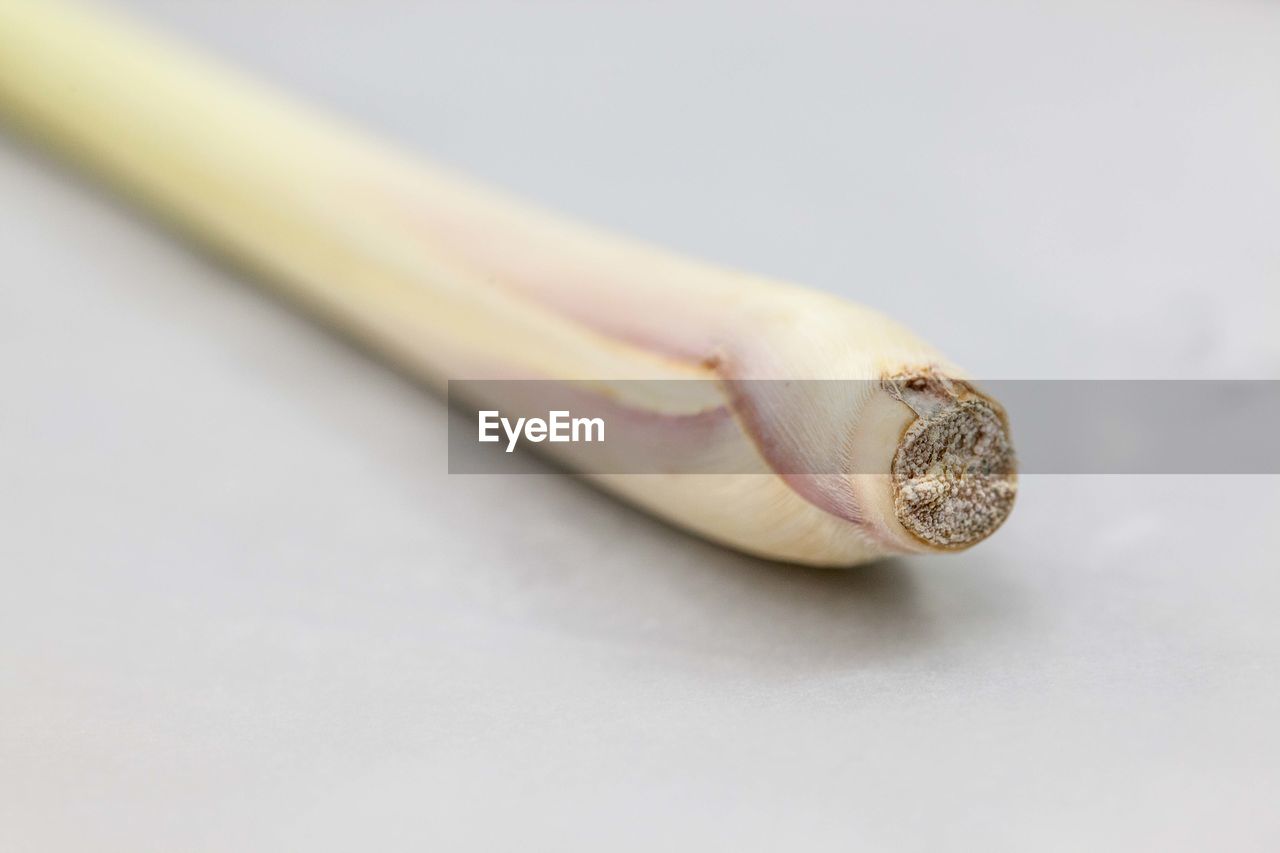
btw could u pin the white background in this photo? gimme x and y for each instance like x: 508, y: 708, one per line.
x: 242, y: 607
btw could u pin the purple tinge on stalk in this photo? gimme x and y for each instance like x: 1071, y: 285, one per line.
x: 812, y: 469
x: 952, y: 479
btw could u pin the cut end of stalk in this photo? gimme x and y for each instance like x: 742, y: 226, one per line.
x: 954, y: 473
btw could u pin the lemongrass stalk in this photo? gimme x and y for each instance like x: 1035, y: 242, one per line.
x: 454, y: 280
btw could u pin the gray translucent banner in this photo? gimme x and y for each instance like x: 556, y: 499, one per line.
x: 806, y: 427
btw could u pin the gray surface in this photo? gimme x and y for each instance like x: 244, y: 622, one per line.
x: 243, y: 607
